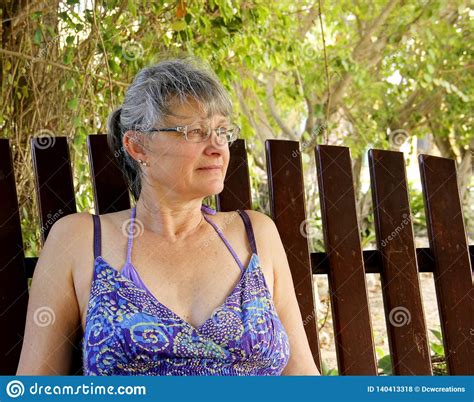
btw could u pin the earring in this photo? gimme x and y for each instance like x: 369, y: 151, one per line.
x: 144, y: 163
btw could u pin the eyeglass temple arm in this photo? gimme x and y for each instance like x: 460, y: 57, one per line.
x: 153, y: 130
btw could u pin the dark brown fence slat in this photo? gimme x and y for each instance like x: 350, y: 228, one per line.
x: 30, y: 264
x: 54, y: 183
x: 352, y: 325
x: 452, y: 274
x: 108, y: 183
x: 236, y: 193
x: 56, y: 198
x: 287, y: 202
x: 373, y: 261
x: 13, y: 283
x: 404, y: 316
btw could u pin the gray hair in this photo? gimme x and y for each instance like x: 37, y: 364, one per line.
x: 150, y: 98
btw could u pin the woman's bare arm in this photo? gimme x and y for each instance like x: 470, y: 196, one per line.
x: 301, y: 361
x: 53, y: 313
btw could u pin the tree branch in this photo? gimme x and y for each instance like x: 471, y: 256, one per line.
x: 273, y: 110
x: 58, y: 65
x: 308, y: 20
x: 366, y: 41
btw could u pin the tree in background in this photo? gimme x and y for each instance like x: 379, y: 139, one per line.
x: 378, y: 73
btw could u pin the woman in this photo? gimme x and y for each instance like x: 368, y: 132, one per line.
x: 198, y: 295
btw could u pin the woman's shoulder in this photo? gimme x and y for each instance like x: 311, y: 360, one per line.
x: 84, y: 220
x: 264, y: 231
x: 260, y: 221
x: 68, y: 225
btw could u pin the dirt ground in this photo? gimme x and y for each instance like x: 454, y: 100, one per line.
x: 326, y: 334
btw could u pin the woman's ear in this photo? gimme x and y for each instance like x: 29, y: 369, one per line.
x: 133, y: 143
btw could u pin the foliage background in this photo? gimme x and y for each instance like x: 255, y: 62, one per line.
x: 390, y: 74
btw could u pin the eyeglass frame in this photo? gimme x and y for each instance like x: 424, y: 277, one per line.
x: 183, y: 130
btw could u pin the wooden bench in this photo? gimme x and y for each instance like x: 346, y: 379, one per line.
x: 397, y: 261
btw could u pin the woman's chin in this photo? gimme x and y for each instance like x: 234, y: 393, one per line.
x: 212, y: 188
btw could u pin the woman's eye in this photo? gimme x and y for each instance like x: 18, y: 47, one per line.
x: 196, y: 131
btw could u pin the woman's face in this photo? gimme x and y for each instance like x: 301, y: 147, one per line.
x: 176, y: 165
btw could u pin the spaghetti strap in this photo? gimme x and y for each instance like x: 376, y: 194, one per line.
x: 97, y: 236
x: 131, y: 234
x: 221, y: 235
x: 249, y: 229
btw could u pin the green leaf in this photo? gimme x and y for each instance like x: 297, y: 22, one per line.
x: 114, y: 66
x: 380, y: 352
x: 325, y: 370
x: 437, y: 349
x: 179, y: 25
x: 132, y: 7
x: 76, y: 122
x: 70, y: 84
x: 70, y: 40
x: 36, y: 15
x: 73, y: 103
x: 37, y: 37
x: 82, y: 131
x: 437, y: 333
x: 385, y: 364
x: 68, y: 56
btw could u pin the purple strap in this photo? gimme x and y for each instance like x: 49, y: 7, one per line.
x: 97, y: 234
x: 249, y: 229
x: 226, y: 243
x: 131, y: 231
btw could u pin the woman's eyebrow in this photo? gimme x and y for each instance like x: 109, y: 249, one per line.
x: 180, y: 117
x: 192, y: 119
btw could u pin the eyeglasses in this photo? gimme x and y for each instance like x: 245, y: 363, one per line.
x: 198, y: 132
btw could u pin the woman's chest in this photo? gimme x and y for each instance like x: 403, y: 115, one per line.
x: 192, y: 283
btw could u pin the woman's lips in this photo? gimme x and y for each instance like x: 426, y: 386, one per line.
x: 211, y: 168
